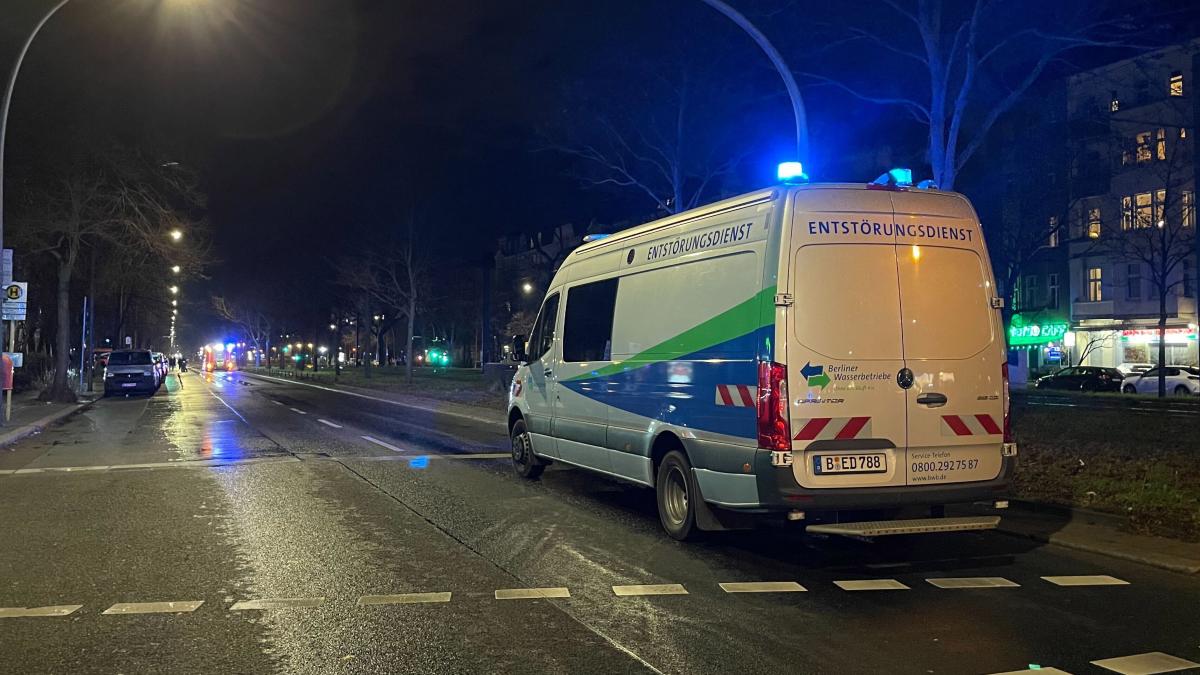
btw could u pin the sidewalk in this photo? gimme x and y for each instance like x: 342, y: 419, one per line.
x: 1089, y: 531
x: 31, y: 416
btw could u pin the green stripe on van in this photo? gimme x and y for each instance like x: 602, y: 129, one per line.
x: 740, y: 319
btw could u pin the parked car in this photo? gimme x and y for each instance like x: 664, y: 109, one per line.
x: 1181, y: 381
x: 1131, y: 368
x: 160, y: 365
x: 1083, y: 378
x: 131, y: 371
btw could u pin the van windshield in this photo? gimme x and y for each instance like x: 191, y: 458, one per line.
x: 847, y: 301
x: 129, y: 359
x: 945, y: 300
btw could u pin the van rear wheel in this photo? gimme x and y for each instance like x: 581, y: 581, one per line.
x: 675, y: 488
x: 524, y: 462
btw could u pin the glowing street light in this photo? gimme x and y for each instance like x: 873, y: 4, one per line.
x: 174, y: 303
x: 527, y: 287
x: 176, y: 234
x: 175, y: 268
x: 173, y: 289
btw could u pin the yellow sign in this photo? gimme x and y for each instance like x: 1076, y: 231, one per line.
x: 13, y: 291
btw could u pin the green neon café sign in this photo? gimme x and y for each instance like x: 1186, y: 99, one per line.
x: 1021, y: 333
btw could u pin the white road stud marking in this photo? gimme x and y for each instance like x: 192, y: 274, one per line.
x: 154, y: 607
x: 299, y: 411
x: 276, y: 603
x: 50, y: 610
x: 871, y: 585
x: 1087, y: 580
x: 404, y: 598
x: 973, y: 582
x: 531, y: 593
x: 329, y: 424
x: 1039, y: 670
x: 1145, y: 664
x: 650, y: 589
x: 378, y: 442
x: 762, y: 587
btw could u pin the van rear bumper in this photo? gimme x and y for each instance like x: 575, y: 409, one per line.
x: 778, y: 490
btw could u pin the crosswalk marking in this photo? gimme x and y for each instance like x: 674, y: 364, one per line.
x: 762, y: 587
x: 403, y: 598
x: 298, y: 411
x: 973, y: 582
x: 378, y: 442
x: 154, y: 607
x: 1087, y: 580
x: 871, y: 585
x: 1145, y: 664
x: 328, y: 423
x: 531, y: 593
x: 50, y: 610
x: 276, y: 603
x: 650, y: 589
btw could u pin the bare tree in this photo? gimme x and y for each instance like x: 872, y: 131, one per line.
x: 254, y: 322
x: 977, y: 60
x: 1096, y: 342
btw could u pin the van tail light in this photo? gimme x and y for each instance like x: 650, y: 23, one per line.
x: 774, y: 427
x: 1007, y: 405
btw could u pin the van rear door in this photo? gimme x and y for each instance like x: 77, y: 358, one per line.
x: 845, y: 343
x: 952, y: 341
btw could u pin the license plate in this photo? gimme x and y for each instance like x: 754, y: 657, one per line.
x: 873, y: 463
x: 129, y: 384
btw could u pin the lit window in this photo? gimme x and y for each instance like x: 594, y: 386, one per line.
x: 1161, y: 145
x: 1189, y: 208
x: 1093, y: 223
x: 1053, y: 231
x: 1115, y: 104
x: 1160, y: 205
x: 1095, y: 293
x: 1143, y: 147
x: 1175, y: 84
x: 1182, y: 132
x: 1144, y: 214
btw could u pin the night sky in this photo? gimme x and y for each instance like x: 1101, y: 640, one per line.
x: 318, y: 125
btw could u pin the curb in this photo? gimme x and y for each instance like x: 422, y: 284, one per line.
x: 1188, y: 567
x: 38, y: 426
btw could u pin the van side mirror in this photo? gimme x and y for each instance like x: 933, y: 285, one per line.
x: 520, y: 348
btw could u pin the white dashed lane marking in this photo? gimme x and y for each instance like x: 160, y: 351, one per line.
x: 531, y: 593
x: 650, y: 589
x: 380, y: 443
x: 277, y: 603
x: 153, y: 607
x: 299, y: 411
x: 1087, y: 580
x: 1145, y: 664
x: 763, y: 587
x: 871, y: 585
x: 973, y: 582
x: 277, y: 402
x: 329, y: 424
x: 51, y: 610
x: 403, y: 598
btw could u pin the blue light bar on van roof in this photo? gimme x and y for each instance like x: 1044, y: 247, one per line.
x: 898, y: 177
x: 791, y: 172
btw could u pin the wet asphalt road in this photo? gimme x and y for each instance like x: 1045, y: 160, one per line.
x: 241, y: 489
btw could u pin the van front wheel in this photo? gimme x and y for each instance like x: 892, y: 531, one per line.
x: 523, y: 460
x: 677, y: 497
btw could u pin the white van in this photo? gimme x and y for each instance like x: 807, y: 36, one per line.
x: 818, y: 351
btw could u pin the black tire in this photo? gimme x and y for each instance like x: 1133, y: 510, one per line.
x: 675, y: 489
x: 1129, y: 389
x: 524, y: 462
x: 1182, y: 390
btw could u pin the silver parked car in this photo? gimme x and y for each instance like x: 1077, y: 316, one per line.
x: 1181, y: 381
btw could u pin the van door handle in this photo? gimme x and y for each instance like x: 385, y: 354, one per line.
x: 548, y: 372
x: 932, y: 399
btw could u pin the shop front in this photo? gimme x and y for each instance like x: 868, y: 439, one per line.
x: 1037, y: 345
x: 1111, y: 346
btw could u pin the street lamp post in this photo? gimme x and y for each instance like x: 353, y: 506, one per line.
x: 8, y: 91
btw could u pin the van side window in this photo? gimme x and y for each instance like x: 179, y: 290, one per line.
x: 543, y: 329
x: 587, y: 330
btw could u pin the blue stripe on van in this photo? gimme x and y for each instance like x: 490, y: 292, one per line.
x: 683, y: 391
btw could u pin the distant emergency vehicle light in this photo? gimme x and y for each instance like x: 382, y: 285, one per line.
x: 791, y: 172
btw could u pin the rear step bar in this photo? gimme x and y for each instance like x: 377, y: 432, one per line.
x: 879, y: 528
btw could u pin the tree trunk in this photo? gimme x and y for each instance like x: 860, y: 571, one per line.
x: 59, y: 388
x: 1162, y: 342
x: 408, y: 346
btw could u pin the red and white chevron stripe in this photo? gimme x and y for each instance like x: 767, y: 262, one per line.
x: 970, y: 425
x: 737, y: 395
x: 833, y: 428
